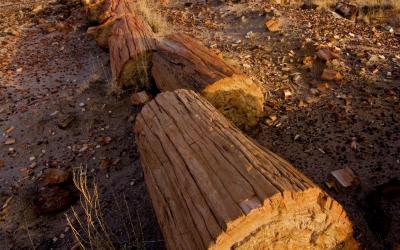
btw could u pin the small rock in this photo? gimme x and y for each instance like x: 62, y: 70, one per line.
x: 331, y: 75
x: 10, y: 141
x: 247, y: 66
x: 54, y: 199
x: 13, y: 32
x: 103, y: 140
x: 56, y: 176
x: 326, y: 54
x: 249, y: 34
x: 66, y: 121
x: 346, y: 10
x: 140, y: 98
x: 9, y: 130
x: 36, y: 9
x: 273, y: 25
x: 271, y: 120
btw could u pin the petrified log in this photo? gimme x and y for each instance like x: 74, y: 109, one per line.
x: 100, y: 11
x: 212, y: 187
x: 106, y: 13
x: 181, y: 62
x: 131, y: 42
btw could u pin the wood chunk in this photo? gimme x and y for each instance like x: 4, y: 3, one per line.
x: 212, y: 187
x: 181, y: 62
x: 343, y: 179
x: 66, y: 121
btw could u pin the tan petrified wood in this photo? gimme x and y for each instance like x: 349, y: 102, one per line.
x: 212, y: 187
x: 181, y: 62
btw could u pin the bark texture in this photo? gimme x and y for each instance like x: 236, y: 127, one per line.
x: 181, y: 62
x: 212, y: 187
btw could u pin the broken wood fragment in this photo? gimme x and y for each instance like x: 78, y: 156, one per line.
x: 343, y: 180
x: 212, y: 187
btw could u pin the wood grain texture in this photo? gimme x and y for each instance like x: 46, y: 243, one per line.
x: 212, y: 187
x: 181, y: 62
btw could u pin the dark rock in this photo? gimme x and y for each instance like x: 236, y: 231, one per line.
x: 346, y: 10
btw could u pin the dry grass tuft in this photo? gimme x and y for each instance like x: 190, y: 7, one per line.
x: 91, y: 232
x: 149, y: 10
x: 89, y: 227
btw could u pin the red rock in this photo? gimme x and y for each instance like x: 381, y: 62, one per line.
x: 346, y: 10
x: 140, y: 98
x: 331, y: 75
x: 56, y: 176
x: 53, y: 199
x: 326, y: 54
x: 273, y: 25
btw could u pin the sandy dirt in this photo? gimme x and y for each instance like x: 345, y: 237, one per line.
x: 51, y: 70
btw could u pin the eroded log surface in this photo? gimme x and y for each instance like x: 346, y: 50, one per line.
x: 212, y: 187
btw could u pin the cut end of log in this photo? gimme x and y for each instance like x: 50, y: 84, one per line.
x: 238, y: 98
x: 293, y: 220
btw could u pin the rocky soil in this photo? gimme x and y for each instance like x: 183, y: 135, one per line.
x: 56, y: 112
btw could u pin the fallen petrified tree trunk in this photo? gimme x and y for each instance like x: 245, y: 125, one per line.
x: 128, y: 37
x: 214, y: 188
x: 131, y: 43
x: 98, y: 11
x: 181, y: 62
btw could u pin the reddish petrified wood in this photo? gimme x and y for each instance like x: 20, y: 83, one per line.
x: 212, y: 187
